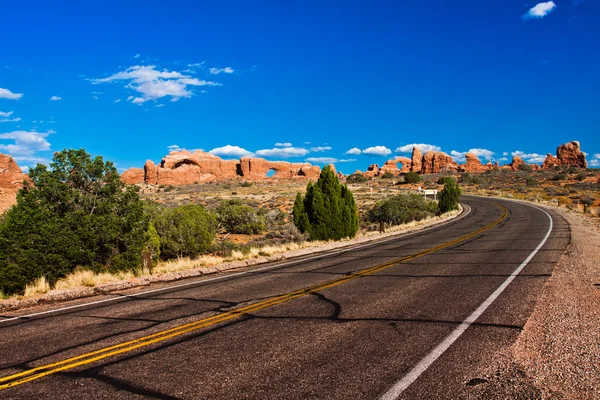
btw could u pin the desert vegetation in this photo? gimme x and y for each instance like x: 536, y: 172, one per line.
x: 77, y: 224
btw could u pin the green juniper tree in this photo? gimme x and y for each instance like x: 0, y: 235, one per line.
x: 77, y: 212
x: 328, y: 210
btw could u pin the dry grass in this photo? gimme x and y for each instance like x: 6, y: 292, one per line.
x: 181, y: 264
x: 86, y: 278
x: 40, y: 286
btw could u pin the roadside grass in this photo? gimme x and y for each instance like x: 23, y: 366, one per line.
x: 40, y: 286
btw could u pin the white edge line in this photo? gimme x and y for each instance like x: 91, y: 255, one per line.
x: 395, y: 391
x: 200, y: 282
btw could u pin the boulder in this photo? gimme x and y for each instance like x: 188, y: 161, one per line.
x: 550, y: 162
x: 570, y: 155
x: 416, y: 164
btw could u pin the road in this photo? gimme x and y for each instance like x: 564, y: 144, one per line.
x: 413, y: 317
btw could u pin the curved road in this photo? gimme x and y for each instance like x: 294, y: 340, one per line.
x: 413, y: 317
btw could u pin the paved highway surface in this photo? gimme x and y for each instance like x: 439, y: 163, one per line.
x: 413, y: 317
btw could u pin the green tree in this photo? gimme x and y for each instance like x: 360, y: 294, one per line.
x: 388, y: 175
x: 328, y: 210
x: 237, y: 217
x: 356, y: 178
x: 77, y: 212
x: 184, y: 231
x: 449, y: 197
x: 412, y: 177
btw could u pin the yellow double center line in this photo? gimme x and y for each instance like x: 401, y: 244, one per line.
x: 97, y: 355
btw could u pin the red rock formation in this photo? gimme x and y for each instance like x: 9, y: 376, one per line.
x: 474, y: 165
x: 11, y: 180
x: 550, y: 162
x: 436, y: 162
x: 416, y: 160
x: 184, y: 168
x: 133, y: 176
x: 570, y: 155
x: 392, y: 166
x: 516, y: 162
x: 372, y: 171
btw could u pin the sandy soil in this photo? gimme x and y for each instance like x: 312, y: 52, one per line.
x: 557, y: 356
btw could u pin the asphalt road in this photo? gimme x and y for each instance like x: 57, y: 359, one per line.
x: 358, y: 324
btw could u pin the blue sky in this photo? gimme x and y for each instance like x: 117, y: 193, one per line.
x: 351, y: 82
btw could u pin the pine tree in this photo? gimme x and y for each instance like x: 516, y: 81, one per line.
x: 328, y: 210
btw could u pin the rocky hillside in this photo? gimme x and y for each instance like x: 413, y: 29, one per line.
x: 11, y: 180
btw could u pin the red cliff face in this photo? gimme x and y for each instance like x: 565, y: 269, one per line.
x: 473, y: 164
x: 184, y: 168
x: 436, y: 161
x: 11, y: 180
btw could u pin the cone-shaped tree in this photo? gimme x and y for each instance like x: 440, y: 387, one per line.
x: 328, y: 210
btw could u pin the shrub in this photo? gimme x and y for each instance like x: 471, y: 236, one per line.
x: 559, y: 177
x: 525, y: 167
x: 236, y: 217
x: 530, y: 182
x: 356, y: 178
x: 449, y: 197
x: 328, y: 210
x: 387, y: 175
x: 402, y: 208
x: 184, y: 231
x: 412, y: 177
x: 246, y: 184
x: 445, y: 179
x: 76, y: 212
x: 468, y: 179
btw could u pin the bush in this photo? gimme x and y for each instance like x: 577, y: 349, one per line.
x: 246, y: 184
x: 445, y: 179
x: 449, y: 197
x: 525, y: 167
x: 559, y: 177
x: 328, y: 210
x: 468, y: 179
x: 184, y: 231
x: 77, y: 212
x: 356, y: 178
x: 401, y: 209
x: 412, y: 177
x: 236, y: 217
x: 531, y: 182
x: 387, y: 175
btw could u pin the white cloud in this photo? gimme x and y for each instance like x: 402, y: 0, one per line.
x: 505, y: 153
x: 283, y: 152
x: 595, y: 163
x: 377, y: 151
x: 354, y: 151
x: 217, y: 71
x: 408, y: 148
x: 286, y: 144
x: 319, y: 149
x: 130, y: 98
x: 136, y: 56
x: 483, y: 154
x: 7, y: 94
x: 154, y: 84
x: 24, y: 143
x: 348, y: 160
x: 174, y: 147
x: 6, y: 114
x: 540, y: 10
x: 230, y: 151
x: 160, y: 105
x: 55, y: 98
x: 530, y: 157
x: 322, y: 160
x: 117, y: 101
x: 2, y: 120
x: 597, y: 156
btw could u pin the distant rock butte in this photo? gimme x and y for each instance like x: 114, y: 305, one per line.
x: 184, y: 168
x: 473, y: 164
x: 436, y: 161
